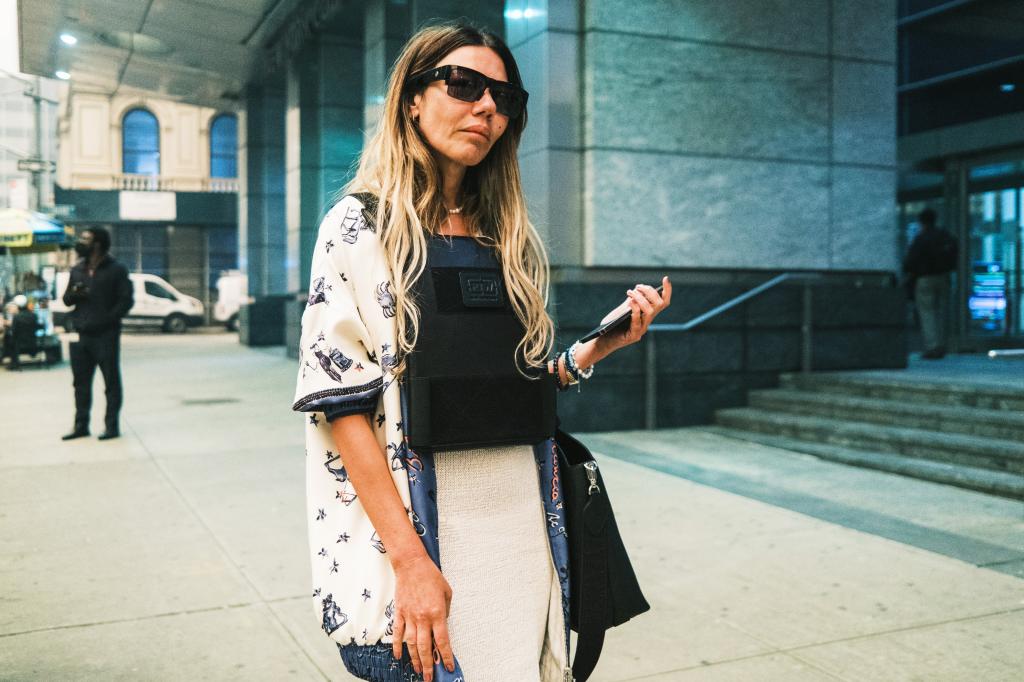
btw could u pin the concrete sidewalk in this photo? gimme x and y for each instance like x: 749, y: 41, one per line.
x: 179, y: 551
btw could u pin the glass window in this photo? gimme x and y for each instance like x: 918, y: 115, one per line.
x: 223, y: 147
x: 993, y: 170
x: 991, y: 258
x: 140, y: 143
x: 154, y: 289
x: 223, y: 252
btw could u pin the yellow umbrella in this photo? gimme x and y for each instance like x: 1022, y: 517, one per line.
x: 30, y: 232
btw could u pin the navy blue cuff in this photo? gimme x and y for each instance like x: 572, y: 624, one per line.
x: 365, y: 406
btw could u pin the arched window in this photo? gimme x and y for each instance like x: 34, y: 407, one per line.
x: 224, y: 147
x: 140, y: 143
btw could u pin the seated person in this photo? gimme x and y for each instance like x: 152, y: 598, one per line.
x: 22, y: 332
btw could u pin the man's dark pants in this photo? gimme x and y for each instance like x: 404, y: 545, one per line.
x: 89, y: 352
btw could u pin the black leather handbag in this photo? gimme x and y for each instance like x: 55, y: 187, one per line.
x: 602, y: 585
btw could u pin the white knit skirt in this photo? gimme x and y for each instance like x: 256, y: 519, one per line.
x: 506, y: 617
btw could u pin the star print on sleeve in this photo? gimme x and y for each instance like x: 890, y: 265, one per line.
x: 344, y: 537
x: 323, y: 551
x: 334, y: 565
x: 380, y: 419
x: 320, y: 515
x: 313, y: 420
x: 366, y: 594
x: 388, y: 360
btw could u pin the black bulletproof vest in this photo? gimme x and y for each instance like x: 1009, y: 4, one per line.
x: 462, y: 389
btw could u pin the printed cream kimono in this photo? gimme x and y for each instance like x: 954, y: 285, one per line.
x: 346, y: 356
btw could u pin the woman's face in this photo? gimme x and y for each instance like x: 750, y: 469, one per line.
x: 462, y: 132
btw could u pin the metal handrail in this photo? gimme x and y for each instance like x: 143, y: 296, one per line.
x: 1007, y: 353
x: 650, y: 345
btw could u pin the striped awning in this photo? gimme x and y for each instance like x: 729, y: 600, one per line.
x: 25, y: 231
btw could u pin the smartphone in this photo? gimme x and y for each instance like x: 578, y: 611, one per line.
x: 617, y: 324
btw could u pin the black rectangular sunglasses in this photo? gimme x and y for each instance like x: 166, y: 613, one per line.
x: 468, y: 85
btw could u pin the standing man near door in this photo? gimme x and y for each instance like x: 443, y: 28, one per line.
x: 100, y: 291
x: 931, y: 258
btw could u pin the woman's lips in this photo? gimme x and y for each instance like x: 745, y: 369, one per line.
x: 482, y: 132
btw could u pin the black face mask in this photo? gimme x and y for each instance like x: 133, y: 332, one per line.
x: 82, y: 249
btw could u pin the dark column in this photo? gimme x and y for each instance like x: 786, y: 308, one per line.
x: 261, y: 223
x: 323, y: 133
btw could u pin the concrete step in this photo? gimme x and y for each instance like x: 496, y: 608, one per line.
x: 974, y: 451
x: 947, y: 393
x: 972, y: 421
x: 972, y: 478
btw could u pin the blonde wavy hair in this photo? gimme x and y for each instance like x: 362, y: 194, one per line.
x: 398, y: 166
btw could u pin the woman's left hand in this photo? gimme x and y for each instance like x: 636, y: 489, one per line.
x: 645, y: 303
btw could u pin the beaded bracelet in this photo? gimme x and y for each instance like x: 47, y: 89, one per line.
x: 559, y: 383
x: 572, y: 358
x: 570, y: 368
x: 558, y: 375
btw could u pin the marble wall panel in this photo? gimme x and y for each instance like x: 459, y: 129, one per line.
x: 864, y: 29
x: 864, y: 230
x: 864, y: 118
x: 795, y: 25
x: 549, y: 65
x: 660, y: 209
x: 669, y: 95
x: 563, y: 97
x: 551, y: 183
x: 487, y: 14
x: 341, y: 136
x: 338, y: 70
x: 526, y: 18
x: 534, y: 60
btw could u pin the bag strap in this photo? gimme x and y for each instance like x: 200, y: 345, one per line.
x: 593, y: 588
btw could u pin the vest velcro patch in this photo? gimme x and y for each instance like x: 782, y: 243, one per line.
x: 481, y: 289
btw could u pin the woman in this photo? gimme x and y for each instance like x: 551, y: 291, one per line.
x: 458, y: 554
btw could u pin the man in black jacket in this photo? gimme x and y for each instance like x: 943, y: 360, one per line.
x: 929, y: 260
x: 101, y: 292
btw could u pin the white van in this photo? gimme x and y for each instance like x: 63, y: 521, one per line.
x: 156, y: 303
x: 232, y: 292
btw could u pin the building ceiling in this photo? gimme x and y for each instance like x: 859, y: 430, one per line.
x: 196, y: 51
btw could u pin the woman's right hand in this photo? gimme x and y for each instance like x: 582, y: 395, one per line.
x: 422, y: 600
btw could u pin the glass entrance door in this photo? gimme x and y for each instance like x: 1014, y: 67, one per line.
x: 995, y: 234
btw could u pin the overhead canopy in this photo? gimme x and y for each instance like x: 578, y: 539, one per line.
x: 195, y: 51
x: 31, y: 232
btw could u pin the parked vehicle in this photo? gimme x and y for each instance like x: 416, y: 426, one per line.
x: 232, y: 292
x: 156, y: 303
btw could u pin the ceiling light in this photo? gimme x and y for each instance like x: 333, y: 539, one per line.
x: 136, y: 42
x: 1008, y: 87
x: 68, y: 39
x: 63, y: 75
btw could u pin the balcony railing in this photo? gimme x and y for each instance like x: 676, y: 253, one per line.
x: 165, y: 183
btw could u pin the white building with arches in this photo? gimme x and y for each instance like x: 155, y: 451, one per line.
x: 161, y: 175
x: 170, y: 147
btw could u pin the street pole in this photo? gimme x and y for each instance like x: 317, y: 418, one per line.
x: 37, y: 145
